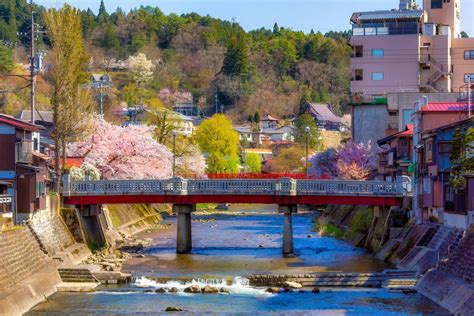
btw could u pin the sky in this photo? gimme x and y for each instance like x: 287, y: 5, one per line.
x: 319, y: 15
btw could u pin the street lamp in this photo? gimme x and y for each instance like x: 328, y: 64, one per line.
x: 175, y: 133
x: 307, y: 130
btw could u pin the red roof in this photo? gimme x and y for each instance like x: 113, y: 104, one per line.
x: 10, y: 120
x: 445, y: 107
x: 72, y: 161
x: 407, y: 132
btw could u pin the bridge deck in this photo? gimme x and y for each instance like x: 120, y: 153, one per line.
x: 282, y: 191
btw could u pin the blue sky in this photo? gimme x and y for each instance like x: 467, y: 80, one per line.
x: 320, y: 15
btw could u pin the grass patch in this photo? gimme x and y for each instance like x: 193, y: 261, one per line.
x: 361, y: 222
x: 325, y: 229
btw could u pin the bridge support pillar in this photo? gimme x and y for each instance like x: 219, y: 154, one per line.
x: 287, y: 211
x: 183, y: 237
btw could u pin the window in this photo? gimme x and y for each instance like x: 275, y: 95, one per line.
x: 377, y: 76
x: 359, y: 51
x: 467, y: 76
x: 378, y: 52
x: 429, y: 150
x: 359, y: 75
x: 426, y: 186
x: 436, y: 4
x: 40, y: 192
x: 469, y: 54
x: 445, y: 148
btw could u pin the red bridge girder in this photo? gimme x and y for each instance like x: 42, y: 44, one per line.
x: 235, y: 199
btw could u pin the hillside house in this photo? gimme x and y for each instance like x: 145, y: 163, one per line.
x: 324, y: 116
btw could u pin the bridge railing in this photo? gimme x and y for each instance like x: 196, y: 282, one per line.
x: 348, y: 187
x: 285, y: 187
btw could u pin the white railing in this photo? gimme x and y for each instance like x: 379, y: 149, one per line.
x: 285, y: 187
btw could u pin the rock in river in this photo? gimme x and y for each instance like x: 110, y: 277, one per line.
x: 160, y: 290
x: 173, y: 290
x: 193, y: 289
x: 173, y: 309
x: 292, y: 285
x: 273, y: 290
x: 316, y: 290
x: 224, y: 290
x: 209, y: 290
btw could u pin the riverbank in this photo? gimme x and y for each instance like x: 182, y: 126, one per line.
x: 443, y: 257
x: 226, y: 248
x: 56, y: 239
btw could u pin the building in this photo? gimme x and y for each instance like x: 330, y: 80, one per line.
x: 269, y: 122
x: 284, y: 133
x: 188, y: 109
x: 24, y: 175
x: 324, y: 116
x: 410, y: 50
x: 44, y: 119
x: 434, y: 126
x: 395, y: 154
x: 100, y: 80
x: 438, y: 200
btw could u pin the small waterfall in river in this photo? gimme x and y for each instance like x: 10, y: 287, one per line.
x: 239, y: 285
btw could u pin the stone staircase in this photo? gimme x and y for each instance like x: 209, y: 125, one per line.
x: 78, y: 274
x: 400, y: 280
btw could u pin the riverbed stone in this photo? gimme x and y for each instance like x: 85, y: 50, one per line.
x: 224, y: 290
x: 160, y: 290
x: 316, y: 290
x: 209, y: 290
x: 173, y: 290
x: 193, y: 289
x: 173, y: 309
x: 273, y: 290
x: 292, y: 285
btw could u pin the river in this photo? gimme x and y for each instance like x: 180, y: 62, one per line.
x: 226, y: 248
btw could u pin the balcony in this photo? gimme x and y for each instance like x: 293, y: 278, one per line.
x: 24, y: 152
x: 6, y: 203
x: 391, y: 28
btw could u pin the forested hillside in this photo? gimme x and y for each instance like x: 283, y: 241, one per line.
x: 272, y: 71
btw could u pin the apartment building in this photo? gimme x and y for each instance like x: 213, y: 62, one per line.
x: 410, y: 50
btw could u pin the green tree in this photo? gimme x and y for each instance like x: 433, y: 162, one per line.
x: 103, y: 16
x: 70, y: 101
x: 110, y: 42
x: 218, y: 140
x: 289, y: 160
x: 236, y: 60
x: 257, y: 118
x: 253, y: 163
x: 464, y: 35
x: 6, y: 60
x: 303, y: 122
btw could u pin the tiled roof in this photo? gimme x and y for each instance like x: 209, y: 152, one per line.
x: 445, y: 107
x: 323, y: 113
x: 387, y: 15
x: 269, y: 118
x: 407, y: 132
x: 46, y: 116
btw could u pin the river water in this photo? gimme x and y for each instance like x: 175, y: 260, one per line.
x: 226, y: 248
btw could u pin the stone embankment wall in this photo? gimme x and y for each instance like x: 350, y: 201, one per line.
x: 27, y: 275
x: 49, y: 228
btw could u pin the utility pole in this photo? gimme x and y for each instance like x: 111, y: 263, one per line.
x: 469, y: 95
x: 32, y: 68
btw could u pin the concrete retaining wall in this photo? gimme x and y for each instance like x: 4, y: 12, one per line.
x: 450, y: 292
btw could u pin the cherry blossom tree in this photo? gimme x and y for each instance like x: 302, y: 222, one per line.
x: 354, y: 161
x: 191, y: 162
x: 124, y: 152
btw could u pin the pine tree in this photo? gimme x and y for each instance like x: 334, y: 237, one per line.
x: 276, y: 29
x: 236, y: 61
x: 103, y: 16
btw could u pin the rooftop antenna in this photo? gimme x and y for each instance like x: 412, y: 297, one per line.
x: 32, y: 66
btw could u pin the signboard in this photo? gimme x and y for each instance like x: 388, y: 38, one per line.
x: 6, y: 202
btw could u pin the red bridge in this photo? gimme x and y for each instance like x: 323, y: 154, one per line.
x: 184, y: 194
